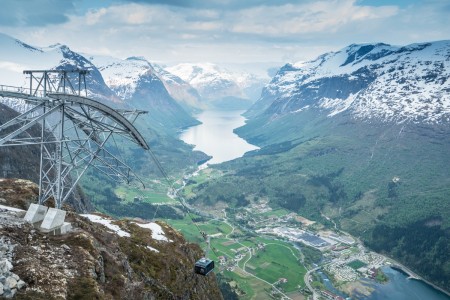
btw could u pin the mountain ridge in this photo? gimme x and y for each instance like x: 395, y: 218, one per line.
x: 136, y: 81
x: 356, y: 78
x: 219, y: 86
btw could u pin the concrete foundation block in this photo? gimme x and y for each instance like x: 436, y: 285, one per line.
x: 65, y: 228
x: 36, y: 213
x: 53, y: 219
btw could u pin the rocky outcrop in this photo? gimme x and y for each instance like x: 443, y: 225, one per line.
x: 9, y: 281
x: 93, y: 262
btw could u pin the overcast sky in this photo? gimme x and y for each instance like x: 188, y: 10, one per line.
x: 222, y: 31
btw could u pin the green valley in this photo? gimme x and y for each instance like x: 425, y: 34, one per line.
x: 364, y: 179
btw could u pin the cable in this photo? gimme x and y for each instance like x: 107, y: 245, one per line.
x: 177, y: 197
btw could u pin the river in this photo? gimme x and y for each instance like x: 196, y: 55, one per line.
x: 215, y: 135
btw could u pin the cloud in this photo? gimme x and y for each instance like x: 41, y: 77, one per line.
x: 164, y: 2
x: 255, y: 31
x: 217, y: 4
x: 11, y: 66
x: 292, y: 20
x: 35, y: 13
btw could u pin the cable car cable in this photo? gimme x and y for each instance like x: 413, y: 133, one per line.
x: 203, y: 266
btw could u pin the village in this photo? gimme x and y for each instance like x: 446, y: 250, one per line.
x: 345, y: 259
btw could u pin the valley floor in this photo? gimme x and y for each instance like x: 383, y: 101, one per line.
x: 265, y: 253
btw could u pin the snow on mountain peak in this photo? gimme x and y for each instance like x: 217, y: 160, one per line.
x: 122, y: 76
x: 389, y: 83
x: 214, y: 82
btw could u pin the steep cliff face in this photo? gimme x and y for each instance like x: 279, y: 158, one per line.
x: 94, y: 263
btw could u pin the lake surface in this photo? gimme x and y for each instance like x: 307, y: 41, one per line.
x: 215, y: 135
x: 400, y: 287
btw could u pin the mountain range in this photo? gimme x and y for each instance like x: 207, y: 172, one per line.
x: 135, y: 81
x: 220, y: 87
x: 360, y: 137
x: 369, y: 81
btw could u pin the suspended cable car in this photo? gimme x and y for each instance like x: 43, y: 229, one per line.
x: 204, y: 265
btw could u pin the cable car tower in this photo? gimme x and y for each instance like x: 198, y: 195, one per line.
x: 74, y: 131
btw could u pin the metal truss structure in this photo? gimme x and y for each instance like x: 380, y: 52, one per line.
x: 74, y: 131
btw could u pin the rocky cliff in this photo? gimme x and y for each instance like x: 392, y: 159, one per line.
x: 94, y: 262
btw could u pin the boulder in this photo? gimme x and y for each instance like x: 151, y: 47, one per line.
x: 11, y: 283
x: 20, y: 284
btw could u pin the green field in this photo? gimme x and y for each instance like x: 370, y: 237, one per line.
x: 275, y: 262
x: 150, y: 195
x: 187, y: 228
x: 276, y: 213
x: 278, y: 260
x: 356, y: 264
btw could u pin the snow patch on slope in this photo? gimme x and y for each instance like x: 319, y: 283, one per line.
x: 336, y: 106
x: 107, y: 223
x: 157, y: 231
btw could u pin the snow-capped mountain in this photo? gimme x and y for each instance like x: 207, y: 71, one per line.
x: 16, y: 56
x: 132, y: 82
x: 214, y: 83
x: 369, y: 81
x: 180, y: 90
x: 122, y: 76
x: 136, y: 81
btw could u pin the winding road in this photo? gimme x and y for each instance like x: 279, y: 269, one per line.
x: 308, y: 284
x: 250, y: 257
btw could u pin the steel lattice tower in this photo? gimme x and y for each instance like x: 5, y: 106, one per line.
x: 75, y: 131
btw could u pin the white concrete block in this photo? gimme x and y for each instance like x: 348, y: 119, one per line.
x: 65, y: 228
x: 53, y: 219
x: 35, y: 213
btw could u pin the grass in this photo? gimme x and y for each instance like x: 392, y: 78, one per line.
x: 243, y: 284
x: 356, y: 264
x: 276, y: 213
x: 187, y: 228
x: 156, y: 194
x: 279, y: 260
x: 276, y: 262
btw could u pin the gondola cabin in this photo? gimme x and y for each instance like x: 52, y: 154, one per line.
x: 203, y: 266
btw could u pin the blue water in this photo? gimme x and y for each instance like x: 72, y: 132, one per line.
x: 215, y: 135
x: 400, y: 287
x: 329, y: 285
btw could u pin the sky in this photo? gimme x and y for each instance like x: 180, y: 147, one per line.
x: 245, y: 32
